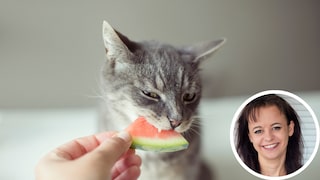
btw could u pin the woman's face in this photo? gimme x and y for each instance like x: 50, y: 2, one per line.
x: 270, y: 133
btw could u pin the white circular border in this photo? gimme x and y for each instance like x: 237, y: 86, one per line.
x: 232, y: 134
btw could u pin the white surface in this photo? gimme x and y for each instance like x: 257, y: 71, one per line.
x: 25, y: 135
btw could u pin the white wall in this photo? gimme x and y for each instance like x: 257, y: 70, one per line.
x: 51, y: 51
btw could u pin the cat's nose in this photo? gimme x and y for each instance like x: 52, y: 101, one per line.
x: 174, y: 123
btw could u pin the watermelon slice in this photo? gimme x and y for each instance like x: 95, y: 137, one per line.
x: 149, y: 138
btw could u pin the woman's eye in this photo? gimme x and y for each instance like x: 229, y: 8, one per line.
x: 189, y: 97
x: 257, y: 131
x: 152, y: 95
x: 276, y: 128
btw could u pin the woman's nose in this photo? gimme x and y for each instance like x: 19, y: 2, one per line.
x: 268, y: 135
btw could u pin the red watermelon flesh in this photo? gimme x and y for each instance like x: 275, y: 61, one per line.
x: 147, y: 137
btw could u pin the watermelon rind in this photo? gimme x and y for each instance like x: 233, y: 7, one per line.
x: 159, y: 145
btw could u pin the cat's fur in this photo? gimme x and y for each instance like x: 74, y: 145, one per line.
x: 162, y: 83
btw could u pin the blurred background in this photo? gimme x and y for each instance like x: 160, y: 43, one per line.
x: 51, y: 53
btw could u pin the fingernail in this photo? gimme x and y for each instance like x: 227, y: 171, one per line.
x: 124, y: 135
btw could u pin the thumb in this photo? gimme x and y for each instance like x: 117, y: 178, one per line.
x: 111, y: 149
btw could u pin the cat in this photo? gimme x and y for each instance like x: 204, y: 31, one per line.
x: 162, y: 83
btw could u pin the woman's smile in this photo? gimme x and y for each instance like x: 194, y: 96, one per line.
x: 270, y: 146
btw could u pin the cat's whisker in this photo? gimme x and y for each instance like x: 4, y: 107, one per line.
x: 195, y: 131
x: 97, y: 94
x: 197, y: 121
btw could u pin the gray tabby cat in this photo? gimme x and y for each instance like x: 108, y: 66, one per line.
x: 162, y: 83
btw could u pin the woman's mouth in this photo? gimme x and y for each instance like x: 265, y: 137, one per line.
x: 270, y: 146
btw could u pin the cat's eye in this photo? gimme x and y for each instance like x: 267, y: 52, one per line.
x: 189, y: 97
x: 152, y: 95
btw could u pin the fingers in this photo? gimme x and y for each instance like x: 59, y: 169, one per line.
x: 112, y: 148
x: 130, y: 174
x: 81, y: 146
x: 102, y: 155
x: 127, y: 162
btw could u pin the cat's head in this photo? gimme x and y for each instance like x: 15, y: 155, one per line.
x: 154, y: 80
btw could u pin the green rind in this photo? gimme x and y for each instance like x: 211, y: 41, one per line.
x: 159, y: 145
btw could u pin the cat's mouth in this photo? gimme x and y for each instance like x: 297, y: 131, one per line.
x: 166, y: 124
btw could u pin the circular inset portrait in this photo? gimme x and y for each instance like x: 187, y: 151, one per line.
x: 274, y: 135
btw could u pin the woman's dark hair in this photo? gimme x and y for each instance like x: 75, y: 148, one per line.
x: 245, y: 148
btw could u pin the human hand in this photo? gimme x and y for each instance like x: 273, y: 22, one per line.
x: 97, y: 157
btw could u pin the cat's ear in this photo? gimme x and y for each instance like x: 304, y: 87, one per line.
x: 117, y: 45
x: 202, y: 50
